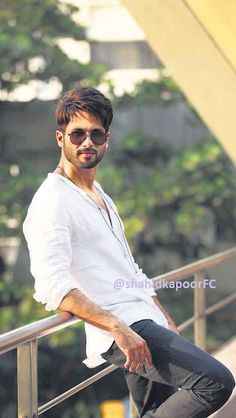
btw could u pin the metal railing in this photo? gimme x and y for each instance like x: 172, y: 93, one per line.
x: 25, y: 339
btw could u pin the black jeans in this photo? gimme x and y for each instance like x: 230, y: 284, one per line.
x: 205, y: 384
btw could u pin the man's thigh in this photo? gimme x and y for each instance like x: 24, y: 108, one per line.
x: 176, y: 360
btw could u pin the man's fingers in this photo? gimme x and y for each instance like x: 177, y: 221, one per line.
x: 139, y: 360
x: 134, y: 360
x: 128, y: 360
x: 137, y: 354
x: 148, y: 356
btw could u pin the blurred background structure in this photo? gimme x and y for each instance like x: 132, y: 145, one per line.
x: 195, y: 40
x: 169, y: 68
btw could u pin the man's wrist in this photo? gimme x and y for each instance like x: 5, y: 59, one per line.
x: 117, y: 325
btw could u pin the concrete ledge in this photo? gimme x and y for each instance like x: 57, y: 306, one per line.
x: 227, y: 355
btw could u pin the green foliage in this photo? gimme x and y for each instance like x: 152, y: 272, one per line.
x: 181, y: 200
x: 16, y: 190
x: 30, y: 29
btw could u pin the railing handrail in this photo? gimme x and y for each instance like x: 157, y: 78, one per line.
x: 41, y: 328
x: 46, y: 326
x: 197, y: 266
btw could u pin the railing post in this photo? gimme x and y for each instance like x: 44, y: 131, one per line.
x: 199, y: 310
x: 27, y: 379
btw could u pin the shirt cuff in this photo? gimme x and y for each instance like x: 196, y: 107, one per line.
x: 53, y: 301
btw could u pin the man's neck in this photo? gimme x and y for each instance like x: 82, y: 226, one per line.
x: 83, y: 178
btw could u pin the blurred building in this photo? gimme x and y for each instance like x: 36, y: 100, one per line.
x: 115, y: 40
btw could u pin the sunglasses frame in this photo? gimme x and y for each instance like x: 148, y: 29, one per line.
x: 88, y: 133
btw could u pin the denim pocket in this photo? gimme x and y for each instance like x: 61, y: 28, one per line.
x: 115, y: 356
x: 109, y: 352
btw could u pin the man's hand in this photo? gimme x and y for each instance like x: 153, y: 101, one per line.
x: 133, y: 346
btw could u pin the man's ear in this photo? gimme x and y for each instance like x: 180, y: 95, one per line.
x: 59, y: 138
x: 108, y: 135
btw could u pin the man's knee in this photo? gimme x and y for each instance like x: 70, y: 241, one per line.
x: 224, y: 389
x: 228, y: 385
x: 215, y: 390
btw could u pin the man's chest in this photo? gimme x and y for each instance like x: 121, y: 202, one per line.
x: 99, y: 200
x: 93, y: 218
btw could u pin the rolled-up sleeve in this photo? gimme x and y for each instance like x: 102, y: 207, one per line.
x: 47, y: 233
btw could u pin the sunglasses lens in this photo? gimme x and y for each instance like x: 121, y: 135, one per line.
x: 98, y: 137
x: 78, y: 137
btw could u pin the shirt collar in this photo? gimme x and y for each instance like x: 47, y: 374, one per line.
x: 77, y: 188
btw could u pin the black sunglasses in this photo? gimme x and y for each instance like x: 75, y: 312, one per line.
x: 97, y: 136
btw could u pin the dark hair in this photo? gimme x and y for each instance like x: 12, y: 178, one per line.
x: 86, y: 99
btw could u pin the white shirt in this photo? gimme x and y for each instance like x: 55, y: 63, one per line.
x: 72, y: 245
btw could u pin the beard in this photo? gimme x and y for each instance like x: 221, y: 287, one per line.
x: 79, y: 160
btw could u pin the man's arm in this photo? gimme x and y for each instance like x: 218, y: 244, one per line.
x: 171, y: 322
x: 133, y: 346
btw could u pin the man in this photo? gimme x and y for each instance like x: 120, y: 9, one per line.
x: 79, y: 258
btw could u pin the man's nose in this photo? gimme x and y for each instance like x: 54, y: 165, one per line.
x: 88, y: 141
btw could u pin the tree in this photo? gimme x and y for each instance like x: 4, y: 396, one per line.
x: 175, y: 200
x: 29, y: 50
